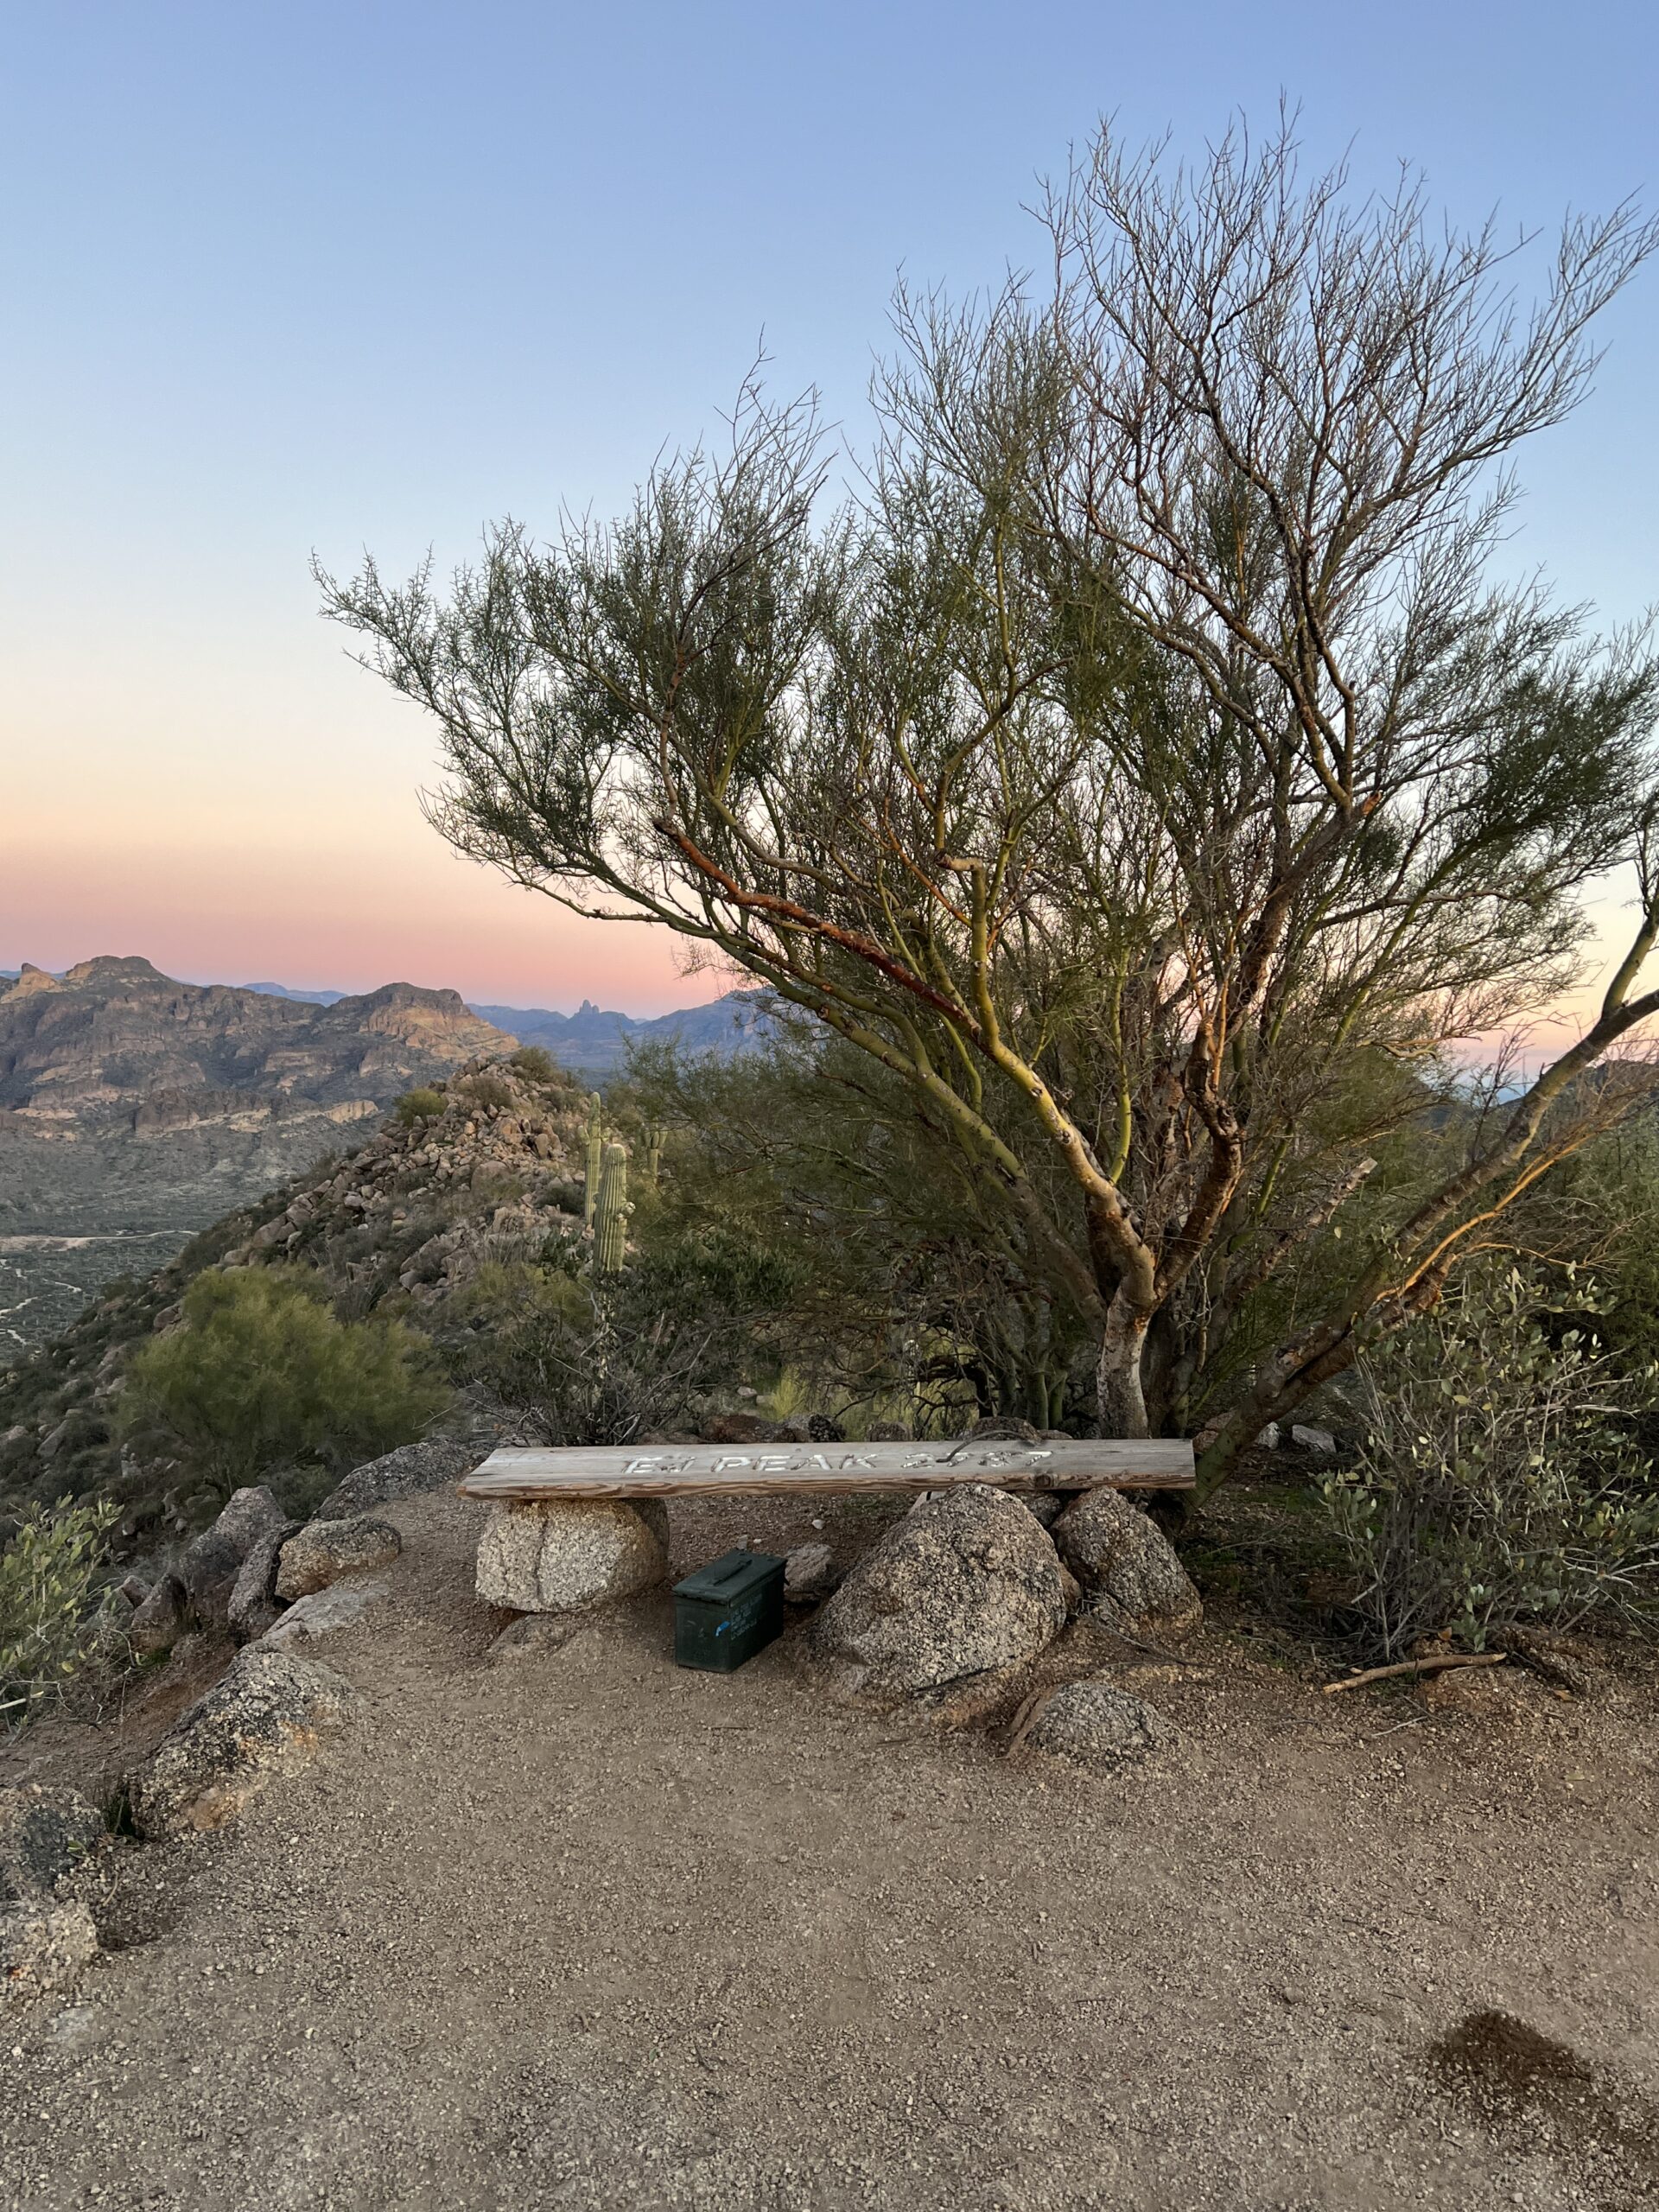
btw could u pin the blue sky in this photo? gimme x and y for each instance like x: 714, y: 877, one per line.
x: 287, y: 277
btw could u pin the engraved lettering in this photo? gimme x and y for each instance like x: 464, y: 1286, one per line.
x: 772, y: 1463
x: 731, y: 1460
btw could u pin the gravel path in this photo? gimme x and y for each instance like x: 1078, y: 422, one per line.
x: 579, y: 1929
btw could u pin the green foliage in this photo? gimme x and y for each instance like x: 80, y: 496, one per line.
x: 421, y: 1104
x: 477, y: 1093
x: 532, y: 1060
x: 50, y: 1574
x: 588, y: 1362
x: 1501, y: 1480
x: 261, y: 1374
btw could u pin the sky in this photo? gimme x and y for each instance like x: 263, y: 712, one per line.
x: 297, y: 278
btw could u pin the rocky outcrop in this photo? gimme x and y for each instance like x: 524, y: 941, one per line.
x: 255, y: 1607
x: 433, y: 1464
x: 269, y: 1714
x: 111, y: 1035
x: 1094, y: 1724
x: 957, y: 1596
x: 567, y: 1554
x: 1127, y: 1569
x: 325, y: 1552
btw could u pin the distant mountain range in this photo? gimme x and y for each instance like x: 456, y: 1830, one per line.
x: 593, y: 1041
x: 135, y: 1108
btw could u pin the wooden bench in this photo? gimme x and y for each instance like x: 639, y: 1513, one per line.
x: 524, y: 1476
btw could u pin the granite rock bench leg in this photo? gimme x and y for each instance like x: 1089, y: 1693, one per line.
x: 560, y: 1555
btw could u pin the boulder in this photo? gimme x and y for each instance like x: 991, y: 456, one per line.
x: 44, y: 1834
x: 324, y: 1551
x: 809, y: 1574
x: 563, y: 1554
x: 267, y: 1715
x: 433, y: 1464
x: 42, y: 1947
x: 1095, y: 1724
x: 254, y: 1604
x: 962, y: 1592
x: 1127, y: 1567
x: 159, y: 1622
x: 213, y: 1561
x: 1319, y: 1441
x: 321, y: 1614
x: 1046, y: 1505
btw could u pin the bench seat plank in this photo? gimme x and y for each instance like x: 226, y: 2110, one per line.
x: 518, y: 1473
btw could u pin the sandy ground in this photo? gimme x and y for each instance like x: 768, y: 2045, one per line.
x: 582, y: 1929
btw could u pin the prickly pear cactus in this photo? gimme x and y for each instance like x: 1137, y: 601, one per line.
x: 611, y: 1214
x: 594, y: 1156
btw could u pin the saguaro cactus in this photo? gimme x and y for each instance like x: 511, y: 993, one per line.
x: 654, y: 1136
x: 611, y: 1215
x: 594, y: 1158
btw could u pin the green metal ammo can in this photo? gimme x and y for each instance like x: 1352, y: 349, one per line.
x: 726, y: 1612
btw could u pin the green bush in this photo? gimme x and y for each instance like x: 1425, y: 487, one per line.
x: 261, y: 1374
x: 1502, y: 1479
x: 422, y: 1105
x: 48, y: 1577
x: 586, y: 1362
x: 532, y: 1061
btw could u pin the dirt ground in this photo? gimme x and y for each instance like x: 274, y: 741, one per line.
x: 581, y: 1929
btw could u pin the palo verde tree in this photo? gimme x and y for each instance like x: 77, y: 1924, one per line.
x: 1143, y: 768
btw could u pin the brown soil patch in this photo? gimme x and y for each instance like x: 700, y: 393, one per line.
x: 581, y: 1929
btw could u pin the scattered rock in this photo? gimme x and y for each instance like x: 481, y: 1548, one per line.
x: 213, y: 1561
x: 254, y: 1604
x: 45, y: 1835
x: 1097, y: 1725
x: 822, y: 1428
x: 1128, y: 1570
x: 323, y: 1551
x: 535, y: 1633
x: 1319, y: 1441
x: 42, y: 1947
x: 961, y: 1591
x: 248, y: 1515
x: 1046, y: 1505
x: 562, y: 1555
x: 322, y: 1612
x: 160, y: 1621
x: 412, y: 1468
x: 810, y: 1574
x: 207, y: 1571
x: 267, y: 1715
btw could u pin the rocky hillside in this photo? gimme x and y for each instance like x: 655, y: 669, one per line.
x: 116, y: 1041
x: 396, y: 1227
x: 135, y: 1110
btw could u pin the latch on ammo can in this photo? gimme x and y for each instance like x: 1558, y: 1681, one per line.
x: 726, y: 1612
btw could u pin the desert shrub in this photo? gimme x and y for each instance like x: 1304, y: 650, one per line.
x: 582, y: 1362
x: 479, y: 1092
x: 263, y: 1374
x: 534, y: 1061
x: 1501, y: 1478
x: 421, y: 1104
x: 50, y: 1574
